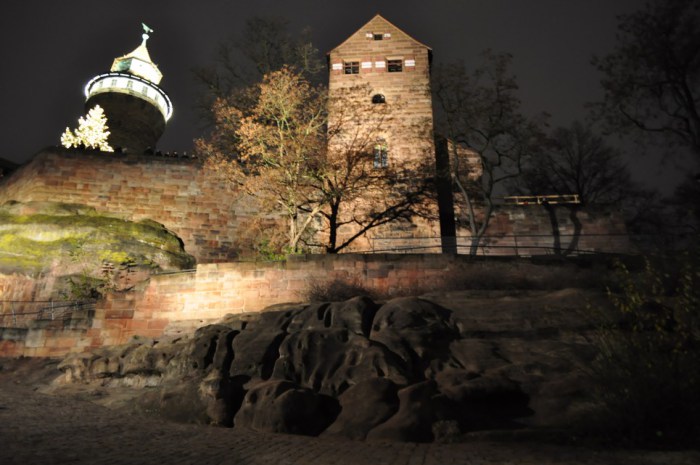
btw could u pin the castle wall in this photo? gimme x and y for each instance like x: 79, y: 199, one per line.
x: 563, y: 229
x: 210, y: 221
x: 172, y: 303
x: 171, y: 191
x: 526, y: 231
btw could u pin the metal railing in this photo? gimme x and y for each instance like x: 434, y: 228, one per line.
x: 525, y: 200
x: 508, y: 244
x: 22, y: 313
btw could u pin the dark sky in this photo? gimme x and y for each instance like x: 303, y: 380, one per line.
x: 51, y: 49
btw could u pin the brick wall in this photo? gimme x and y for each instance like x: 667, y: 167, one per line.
x: 172, y: 303
x: 537, y: 230
x: 206, y: 216
x: 21, y: 288
x: 171, y: 191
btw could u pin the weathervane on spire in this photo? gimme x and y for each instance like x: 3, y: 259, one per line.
x: 146, y: 30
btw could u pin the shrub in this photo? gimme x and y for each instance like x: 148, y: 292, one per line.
x: 337, y: 290
x: 647, y: 372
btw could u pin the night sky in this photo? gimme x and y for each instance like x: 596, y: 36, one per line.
x: 51, y: 49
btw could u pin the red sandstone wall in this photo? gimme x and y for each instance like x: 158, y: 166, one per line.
x: 529, y: 230
x: 17, y: 288
x: 183, y: 301
x: 172, y: 191
x: 405, y: 124
x: 408, y: 129
x: 205, y: 216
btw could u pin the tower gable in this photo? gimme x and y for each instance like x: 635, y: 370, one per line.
x: 379, y: 65
x: 378, y: 47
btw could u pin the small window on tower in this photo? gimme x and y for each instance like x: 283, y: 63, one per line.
x: 129, y: 84
x: 381, y: 154
x: 378, y: 36
x: 378, y: 98
x: 394, y: 66
x: 352, y: 67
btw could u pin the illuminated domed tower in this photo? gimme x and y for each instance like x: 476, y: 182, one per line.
x: 136, y: 108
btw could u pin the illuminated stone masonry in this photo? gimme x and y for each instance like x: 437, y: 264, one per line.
x: 380, y: 65
x: 177, y: 303
x: 384, y: 74
x: 393, y: 73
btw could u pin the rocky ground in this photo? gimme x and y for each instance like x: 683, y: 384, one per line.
x: 462, y: 377
x: 410, y: 369
x: 82, y: 250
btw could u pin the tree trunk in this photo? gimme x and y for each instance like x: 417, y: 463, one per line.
x: 554, y: 222
x: 476, y: 237
x: 573, y: 245
x: 332, y: 229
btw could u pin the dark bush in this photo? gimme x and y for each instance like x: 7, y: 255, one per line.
x: 647, y: 372
x: 337, y: 290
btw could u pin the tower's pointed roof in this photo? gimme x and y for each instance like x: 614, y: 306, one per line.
x: 379, y: 23
x: 138, y: 62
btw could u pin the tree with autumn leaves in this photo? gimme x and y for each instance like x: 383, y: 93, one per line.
x: 283, y: 152
x: 272, y: 149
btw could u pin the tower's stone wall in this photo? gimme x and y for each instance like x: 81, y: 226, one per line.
x: 135, y: 125
x: 382, y: 76
x: 408, y: 127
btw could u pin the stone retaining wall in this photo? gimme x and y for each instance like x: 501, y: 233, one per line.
x: 172, y: 303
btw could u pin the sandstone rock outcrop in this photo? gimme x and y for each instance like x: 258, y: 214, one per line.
x: 408, y: 370
x: 82, y: 250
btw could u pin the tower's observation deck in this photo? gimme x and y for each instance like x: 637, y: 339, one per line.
x: 137, y: 109
x: 131, y: 85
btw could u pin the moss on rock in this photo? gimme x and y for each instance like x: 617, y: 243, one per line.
x: 36, y: 237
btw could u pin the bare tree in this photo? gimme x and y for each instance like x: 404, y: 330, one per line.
x: 652, y: 78
x: 273, y: 149
x: 575, y: 160
x: 264, y: 45
x: 482, y: 112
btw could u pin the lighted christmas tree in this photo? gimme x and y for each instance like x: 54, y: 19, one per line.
x: 92, y: 132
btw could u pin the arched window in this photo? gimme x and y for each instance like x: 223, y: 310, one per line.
x: 378, y: 98
x: 381, y: 154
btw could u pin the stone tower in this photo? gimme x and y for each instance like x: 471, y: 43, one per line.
x: 136, y: 108
x: 382, y: 70
x: 382, y: 65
